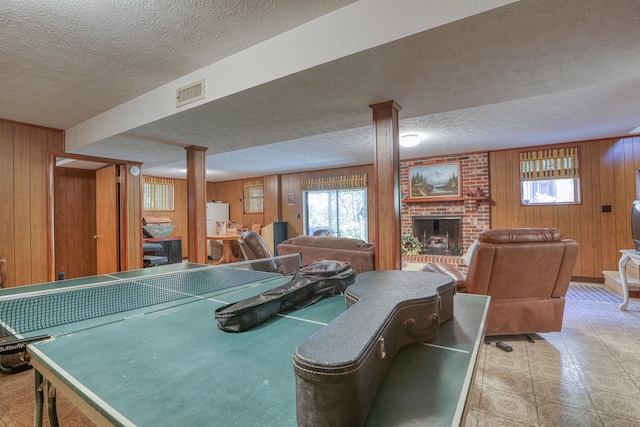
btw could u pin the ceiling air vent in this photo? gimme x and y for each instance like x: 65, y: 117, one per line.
x: 188, y: 94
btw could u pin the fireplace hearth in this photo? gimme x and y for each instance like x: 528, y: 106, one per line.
x: 439, y: 235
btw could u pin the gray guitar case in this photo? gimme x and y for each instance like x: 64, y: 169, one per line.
x: 340, y: 368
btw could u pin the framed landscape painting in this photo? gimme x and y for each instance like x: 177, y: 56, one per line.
x: 435, y: 181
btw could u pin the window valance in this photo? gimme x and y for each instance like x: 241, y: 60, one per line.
x: 558, y: 163
x: 254, y: 183
x: 345, y: 182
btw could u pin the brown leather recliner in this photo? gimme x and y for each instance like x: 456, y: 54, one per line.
x: 253, y: 247
x: 526, y: 271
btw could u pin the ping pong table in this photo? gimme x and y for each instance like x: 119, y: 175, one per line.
x: 164, y: 362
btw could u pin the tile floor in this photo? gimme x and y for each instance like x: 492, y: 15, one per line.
x: 586, y: 375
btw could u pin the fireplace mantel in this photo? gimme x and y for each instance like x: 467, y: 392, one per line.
x: 447, y: 199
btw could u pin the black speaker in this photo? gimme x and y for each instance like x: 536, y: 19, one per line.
x: 279, y: 234
x: 172, y: 249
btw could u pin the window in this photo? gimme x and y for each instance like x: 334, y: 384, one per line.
x: 550, y: 177
x: 158, y: 194
x: 254, y: 196
x: 336, y: 206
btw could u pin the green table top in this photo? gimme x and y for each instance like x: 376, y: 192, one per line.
x: 173, y: 366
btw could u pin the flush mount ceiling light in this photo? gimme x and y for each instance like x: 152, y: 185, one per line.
x: 410, y: 140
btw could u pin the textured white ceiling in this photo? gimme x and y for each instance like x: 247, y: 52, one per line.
x: 530, y: 73
x: 87, y: 56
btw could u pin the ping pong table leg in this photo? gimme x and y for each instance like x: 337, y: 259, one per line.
x: 51, y: 405
x: 41, y: 384
x: 39, y: 388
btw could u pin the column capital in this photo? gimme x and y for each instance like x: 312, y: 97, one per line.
x: 195, y: 148
x: 393, y: 104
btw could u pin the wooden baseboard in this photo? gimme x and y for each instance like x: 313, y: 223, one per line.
x: 599, y: 280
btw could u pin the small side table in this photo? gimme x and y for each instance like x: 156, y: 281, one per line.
x: 627, y: 254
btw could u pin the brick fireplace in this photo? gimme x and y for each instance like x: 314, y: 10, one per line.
x: 455, y: 222
x: 439, y: 235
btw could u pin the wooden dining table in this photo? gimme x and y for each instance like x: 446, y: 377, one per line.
x: 227, y: 240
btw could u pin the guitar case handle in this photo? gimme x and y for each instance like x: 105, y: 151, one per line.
x: 430, y: 330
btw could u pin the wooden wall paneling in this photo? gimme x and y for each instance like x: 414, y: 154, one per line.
x: 22, y: 205
x: 214, y: 190
x: 507, y: 212
x: 492, y: 179
x: 496, y: 180
x: 272, y: 201
x: 532, y: 213
x: 599, y: 216
x: 621, y: 210
x: 236, y: 204
x: 595, y: 268
x: 504, y: 175
x: 576, y: 230
x: 629, y: 179
x: 80, y: 212
x: 286, y: 210
x: 55, y: 143
x: 236, y: 199
x: 24, y: 228
x: 7, y: 202
x: 130, y: 218
x: 634, y: 162
x: 608, y: 233
x: 180, y: 214
x: 292, y: 214
x: 86, y: 241
x: 587, y: 241
x: 55, y: 140
x: 516, y: 215
x: 231, y: 192
x: 562, y: 219
x: 38, y: 152
x: 63, y: 248
x: 371, y: 199
x: 546, y: 216
x: 504, y: 193
x: 635, y: 141
x: 629, y: 188
x: 295, y: 217
x: 247, y: 220
x: 298, y: 220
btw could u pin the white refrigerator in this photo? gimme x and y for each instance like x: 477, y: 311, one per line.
x: 215, y: 212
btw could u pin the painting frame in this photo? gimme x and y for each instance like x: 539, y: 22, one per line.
x: 435, y: 181
x: 291, y: 199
